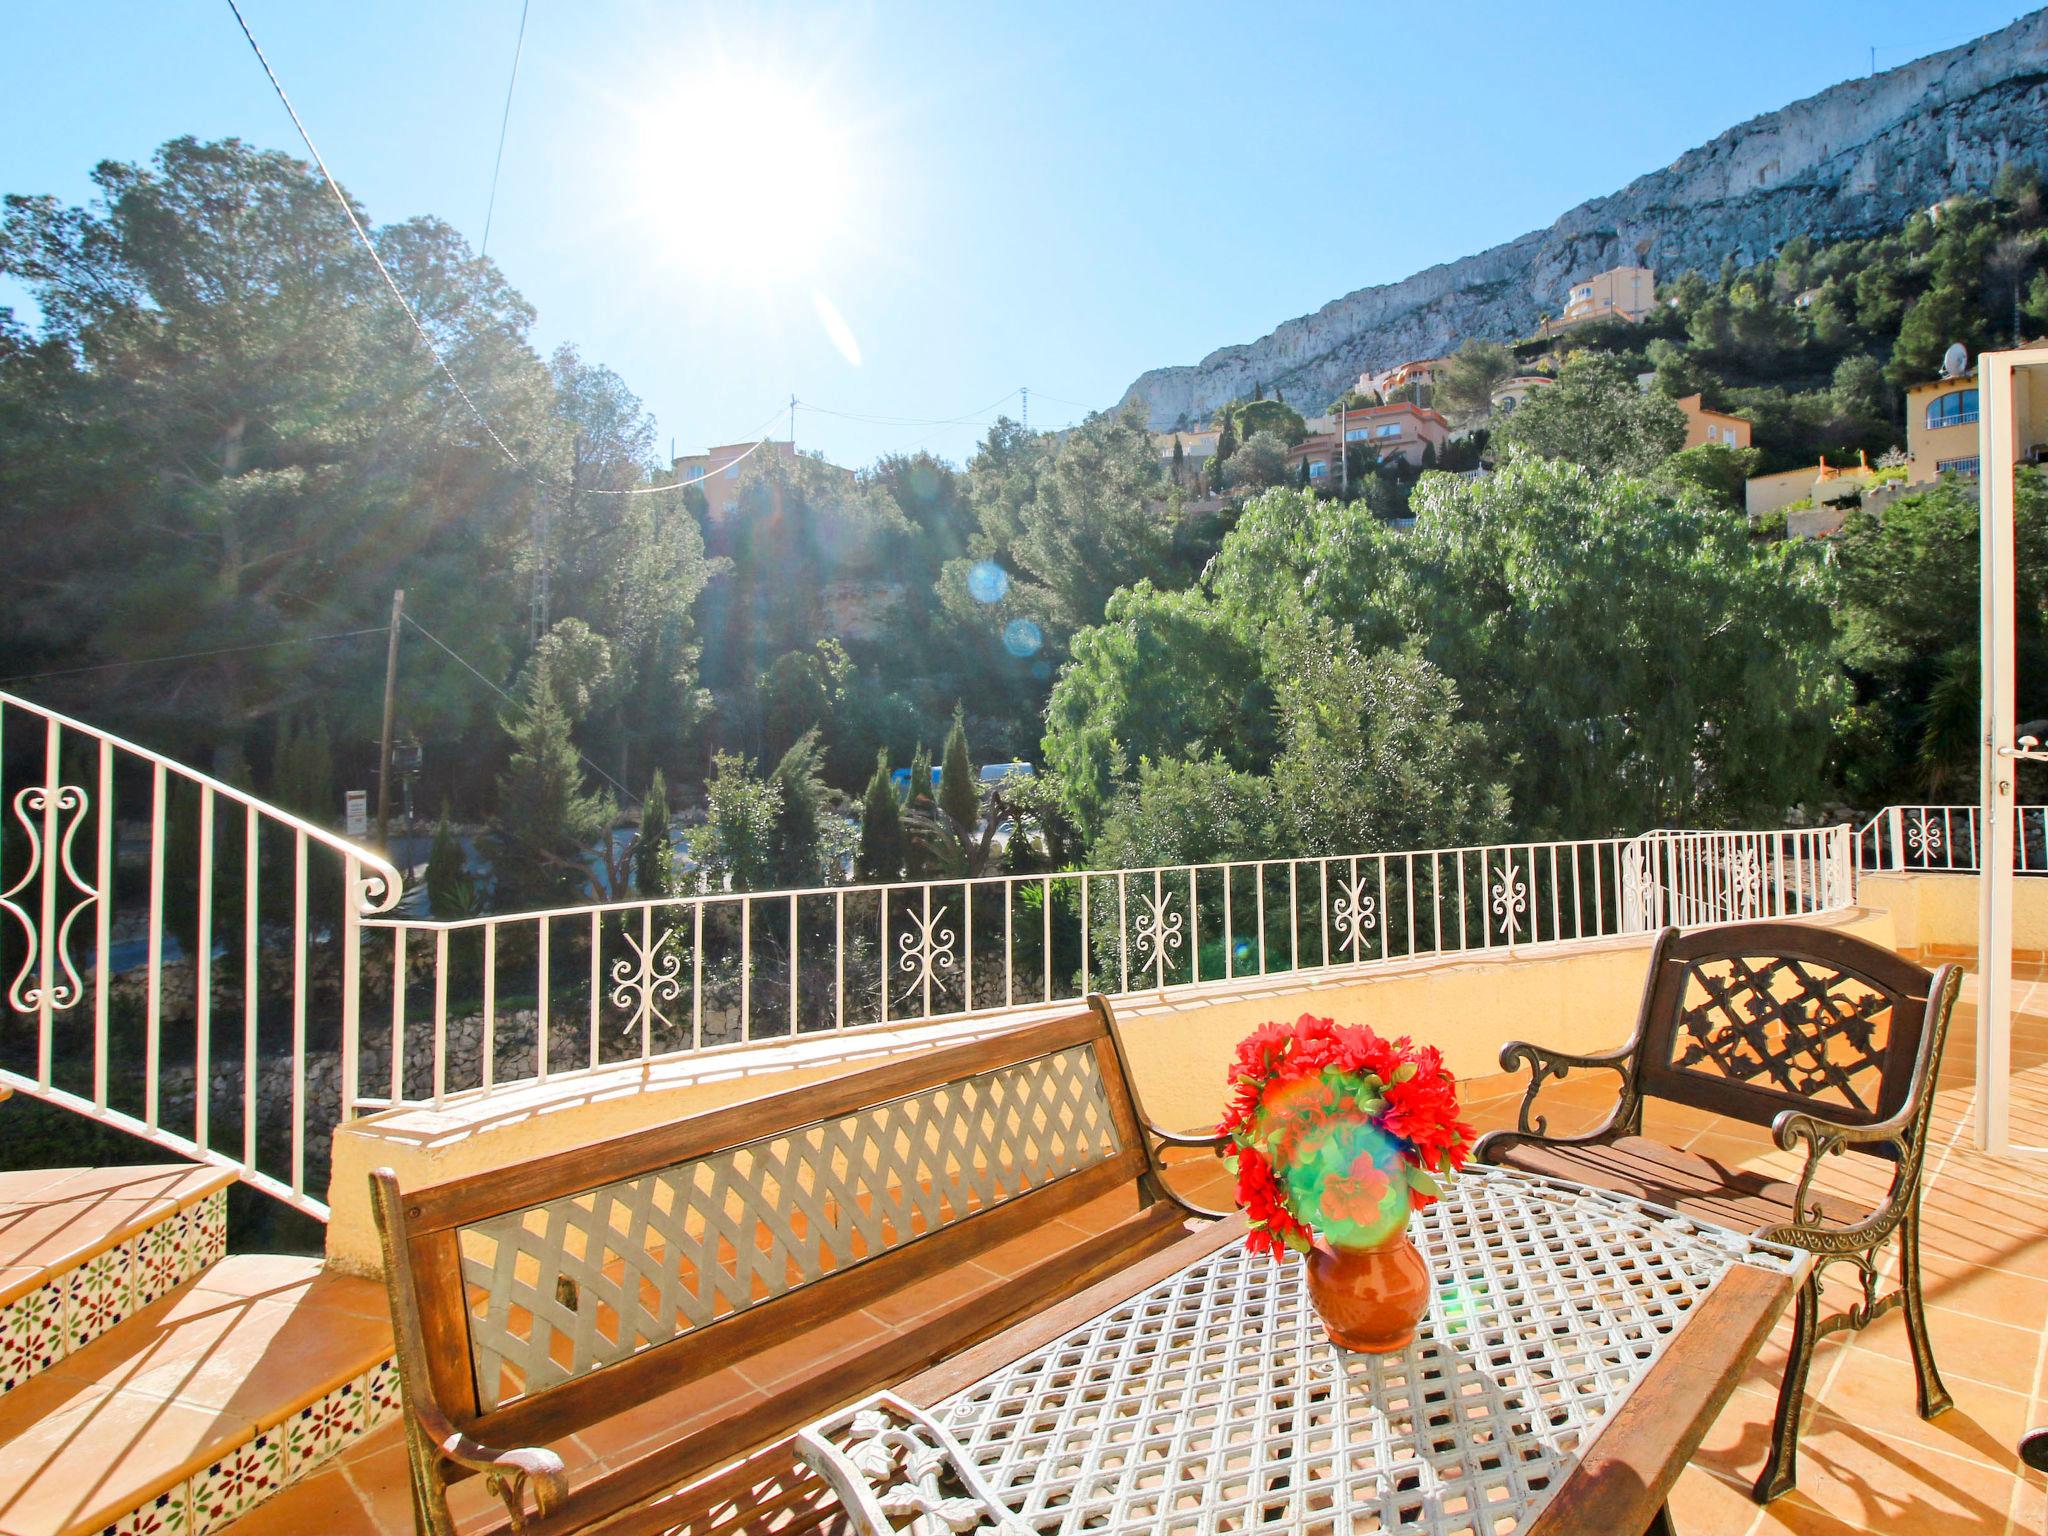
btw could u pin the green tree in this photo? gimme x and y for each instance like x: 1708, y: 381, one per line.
x: 548, y: 827
x: 959, y: 789
x: 1465, y: 385
x: 798, y: 851
x: 451, y: 890
x: 736, y: 847
x: 1260, y: 463
x: 302, y: 771
x: 654, y: 860
x: 1274, y: 416
x: 1595, y: 416
x: 1186, y: 811
x: 881, y: 829
x: 1716, y: 471
x: 1945, y: 314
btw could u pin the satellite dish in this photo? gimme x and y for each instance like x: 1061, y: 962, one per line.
x: 1954, y: 361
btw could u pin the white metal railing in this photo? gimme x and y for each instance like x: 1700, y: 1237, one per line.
x: 188, y: 964
x: 107, y: 847
x: 1944, y: 838
x: 479, y: 1001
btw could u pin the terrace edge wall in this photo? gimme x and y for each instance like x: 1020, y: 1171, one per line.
x: 1579, y: 996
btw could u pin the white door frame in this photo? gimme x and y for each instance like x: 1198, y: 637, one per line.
x: 1998, y: 449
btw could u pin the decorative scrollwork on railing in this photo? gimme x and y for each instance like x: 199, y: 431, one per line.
x: 1746, y: 879
x: 652, y: 977
x: 1157, y: 930
x: 32, y: 807
x: 1510, y: 900
x: 927, y: 951
x: 1355, y: 914
x: 1924, y: 837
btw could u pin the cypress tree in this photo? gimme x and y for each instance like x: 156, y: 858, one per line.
x: 920, y: 776
x: 450, y: 891
x: 653, y: 859
x: 796, y: 842
x: 881, y: 829
x: 957, y: 788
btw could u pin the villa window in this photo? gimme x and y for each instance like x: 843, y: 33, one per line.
x: 1357, y: 434
x: 1318, y: 469
x: 1392, y: 429
x: 1958, y: 409
x: 1957, y: 466
x: 732, y: 470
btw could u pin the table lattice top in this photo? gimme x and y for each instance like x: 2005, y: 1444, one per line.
x: 1213, y: 1402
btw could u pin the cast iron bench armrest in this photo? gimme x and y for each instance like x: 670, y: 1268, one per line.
x: 505, y: 1473
x: 1162, y: 1138
x: 1544, y: 1063
x: 896, y: 1470
x: 1827, y: 1138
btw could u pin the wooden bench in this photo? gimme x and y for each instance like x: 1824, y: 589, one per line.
x: 537, y: 1302
x: 1832, y: 1042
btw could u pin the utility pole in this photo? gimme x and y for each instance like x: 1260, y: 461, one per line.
x: 1026, y: 393
x: 390, y: 698
x: 1344, y: 447
x: 792, y: 423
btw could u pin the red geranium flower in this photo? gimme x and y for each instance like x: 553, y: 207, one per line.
x: 1290, y: 1083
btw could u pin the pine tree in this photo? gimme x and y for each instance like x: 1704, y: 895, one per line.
x: 881, y: 829
x: 958, y: 796
x: 547, y: 824
x: 653, y: 859
x: 796, y: 850
x: 302, y: 771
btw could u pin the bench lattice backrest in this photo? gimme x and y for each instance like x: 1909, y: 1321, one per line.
x: 570, y: 1285
x: 566, y: 1288
x: 1751, y: 1020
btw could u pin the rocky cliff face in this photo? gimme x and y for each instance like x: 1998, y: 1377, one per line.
x: 1854, y: 160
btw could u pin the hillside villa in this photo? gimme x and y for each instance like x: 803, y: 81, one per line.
x: 1705, y: 426
x: 1399, y: 431
x: 1619, y: 293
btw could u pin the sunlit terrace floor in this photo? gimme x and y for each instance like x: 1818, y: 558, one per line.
x: 1867, y: 1463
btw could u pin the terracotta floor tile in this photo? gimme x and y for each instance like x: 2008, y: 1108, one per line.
x: 828, y: 1342
x: 1862, y: 1476
x: 1997, y: 1295
x: 915, y: 1300
x: 1966, y: 1348
x: 634, y: 1431
x: 325, y: 1504
x: 60, y: 1471
x: 1876, y: 1393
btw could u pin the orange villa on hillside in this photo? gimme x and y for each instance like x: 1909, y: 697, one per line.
x: 1619, y: 293
x: 1398, y: 431
x: 717, y: 473
x: 1705, y: 426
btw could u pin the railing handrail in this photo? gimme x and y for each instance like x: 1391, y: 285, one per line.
x: 379, y: 870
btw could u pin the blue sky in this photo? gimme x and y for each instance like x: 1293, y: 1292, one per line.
x: 907, y: 211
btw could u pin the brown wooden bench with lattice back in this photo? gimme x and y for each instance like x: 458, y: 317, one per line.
x: 538, y: 1301
x: 1832, y: 1042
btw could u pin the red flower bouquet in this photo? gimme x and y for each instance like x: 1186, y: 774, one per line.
x: 1339, y: 1134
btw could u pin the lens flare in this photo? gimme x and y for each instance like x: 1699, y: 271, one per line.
x: 988, y: 582
x: 1022, y: 638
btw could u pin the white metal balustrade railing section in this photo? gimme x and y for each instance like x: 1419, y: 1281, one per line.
x: 481, y: 1001
x: 119, y: 869
x: 1943, y: 838
x: 185, y: 963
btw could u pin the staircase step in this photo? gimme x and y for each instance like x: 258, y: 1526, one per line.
x: 82, y: 1248
x: 199, y: 1406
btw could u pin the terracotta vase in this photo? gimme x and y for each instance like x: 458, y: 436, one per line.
x: 1369, y: 1299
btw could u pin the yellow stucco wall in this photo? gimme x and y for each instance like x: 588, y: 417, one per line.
x: 1937, y: 912
x: 1577, y: 997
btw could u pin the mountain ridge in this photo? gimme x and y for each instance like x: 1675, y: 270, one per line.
x: 1850, y: 160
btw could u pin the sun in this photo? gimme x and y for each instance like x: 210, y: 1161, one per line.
x: 748, y: 177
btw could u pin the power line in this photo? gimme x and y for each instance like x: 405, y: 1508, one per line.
x: 433, y: 349
x: 504, y: 122
x: 910, y: 421
x: 465, y: 664
x: 225, y: 650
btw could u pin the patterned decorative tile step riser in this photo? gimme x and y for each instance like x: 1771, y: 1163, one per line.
x: 76, y: 1305
x: 278, y: 1455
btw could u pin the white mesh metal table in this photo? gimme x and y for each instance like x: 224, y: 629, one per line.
x: 1568, y: 1366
